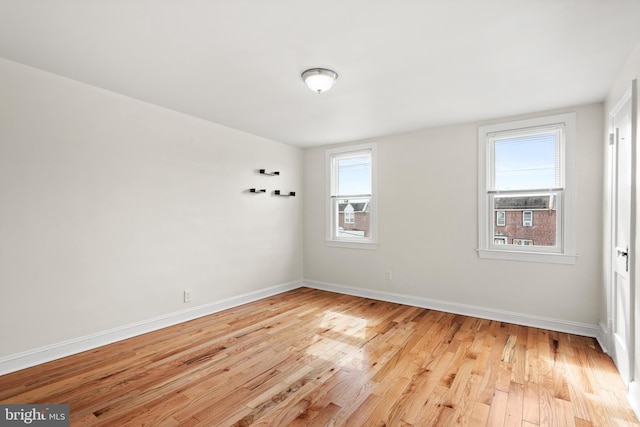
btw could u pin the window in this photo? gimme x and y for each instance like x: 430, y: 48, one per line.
x: 523, y: 242
x: 525, y: 167
x: 351, y: 201
x: 349, y: 214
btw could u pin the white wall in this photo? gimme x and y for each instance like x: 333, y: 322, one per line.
x: 111, y: 207
x: 428, y: 228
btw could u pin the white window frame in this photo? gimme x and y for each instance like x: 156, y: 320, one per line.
x: 331, y: 221
x: 564, y: 253
x: 527, y: 222
x: 502, y: 214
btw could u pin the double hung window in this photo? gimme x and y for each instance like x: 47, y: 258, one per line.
x: 351, y: 204
x: 525, y: 173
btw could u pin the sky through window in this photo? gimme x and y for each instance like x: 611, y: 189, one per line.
x: 527, y: 162
x: 354, y: 175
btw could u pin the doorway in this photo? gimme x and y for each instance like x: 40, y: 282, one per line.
x: 622, y: 248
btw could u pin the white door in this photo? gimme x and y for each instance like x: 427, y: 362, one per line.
x: 622, y: 232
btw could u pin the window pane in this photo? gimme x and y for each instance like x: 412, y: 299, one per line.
x: 530, y: 219
x: 353, y: 218
x: 354, y: 175
x: 527, y: 162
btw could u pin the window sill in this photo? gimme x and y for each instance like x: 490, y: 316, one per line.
x: 352, y: 244
x: 527, y: 256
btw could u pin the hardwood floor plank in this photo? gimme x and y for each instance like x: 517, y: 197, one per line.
x: 546, y: 401
x: 479, y: 415
x: 531, y: 404
x: 565, y: 413
x: 583, y: 423
x: 498, y: 411
x: 314, y: 358
x: 491, y: 371
x: 465, y: 403
x: 316, y: 417
x: 515, y: 404
x: 519, y: 364
x: 389, y: 407
x: 425, y: 382
x: 432, y: 412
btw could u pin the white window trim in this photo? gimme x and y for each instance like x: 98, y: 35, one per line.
x: 502, y: 223
x: 566, y: 225
x: 330, y: 219
x: 526, y: 223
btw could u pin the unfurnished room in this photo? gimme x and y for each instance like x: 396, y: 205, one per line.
x: 345, y: 213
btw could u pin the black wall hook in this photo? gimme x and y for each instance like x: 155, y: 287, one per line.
x: 256, y: 190
x: 291, y: 193
x: 264, y: 172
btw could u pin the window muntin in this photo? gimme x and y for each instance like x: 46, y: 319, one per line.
x: 524, y: 172
x: 351, y: 215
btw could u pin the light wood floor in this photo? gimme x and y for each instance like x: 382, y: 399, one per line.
x: 308, y: 357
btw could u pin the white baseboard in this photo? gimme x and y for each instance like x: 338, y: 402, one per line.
x: 558, y: 325
x: 604, y: 338
x: 18, y: 361
x: 634, y: 397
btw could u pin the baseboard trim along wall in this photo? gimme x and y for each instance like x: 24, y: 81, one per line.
x: 634, y: 397
x: 18, y: 361
x: 558, y: 325
x: 605, y: 338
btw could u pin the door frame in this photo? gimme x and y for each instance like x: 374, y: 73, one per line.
x: 630, y: 94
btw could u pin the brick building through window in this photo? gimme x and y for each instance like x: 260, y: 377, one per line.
x: 525, y: 220
x: 353, y: 218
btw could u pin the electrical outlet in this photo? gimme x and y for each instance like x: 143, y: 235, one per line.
x: 388, y: 275
x: 187, y: 295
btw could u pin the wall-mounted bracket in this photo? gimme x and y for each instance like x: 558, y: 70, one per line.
x: 258, y: 190
x: 264, y: 172
x: 291, y: 193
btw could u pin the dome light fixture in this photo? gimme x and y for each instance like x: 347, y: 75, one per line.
x: 319, y: 79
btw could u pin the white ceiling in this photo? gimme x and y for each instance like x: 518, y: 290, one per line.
x: 402, y: 65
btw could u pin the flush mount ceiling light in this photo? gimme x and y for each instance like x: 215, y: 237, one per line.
x: 319, y: 79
